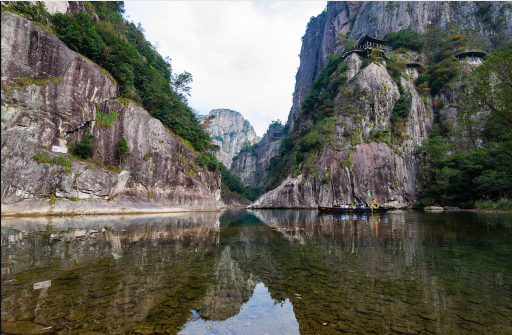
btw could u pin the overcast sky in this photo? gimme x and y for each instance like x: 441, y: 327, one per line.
x: 242, y: 55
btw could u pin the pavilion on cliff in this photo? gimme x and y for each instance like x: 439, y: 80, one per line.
x: 365, y: 44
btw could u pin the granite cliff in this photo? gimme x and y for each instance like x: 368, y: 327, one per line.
x: 353, y: 165
x: 250, y: 165
x: 377, y: 18
x: 356, y: 159
x: 230, y: 131
x: 52, y: 96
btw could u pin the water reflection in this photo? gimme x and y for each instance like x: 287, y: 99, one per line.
x: 259, y: 315
x: 259, y: 271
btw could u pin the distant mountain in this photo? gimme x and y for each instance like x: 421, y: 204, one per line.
x: 230, y: 131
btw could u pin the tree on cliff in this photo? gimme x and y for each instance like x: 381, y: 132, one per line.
x: 345, y: 41
x: 84, y: 148
x: 181, y: 83
x: 122, y: 148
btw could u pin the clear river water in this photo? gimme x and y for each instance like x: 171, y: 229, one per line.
x: 258, y: 272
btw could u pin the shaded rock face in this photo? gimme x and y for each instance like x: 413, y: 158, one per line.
x: 250, y: 166
x: 377, y: 18
x: 380, y: 17
x: 318, y: 44
x: 349, y: 172
x: 230, y: 131
x: 50, y: 97
x: 234, y: 200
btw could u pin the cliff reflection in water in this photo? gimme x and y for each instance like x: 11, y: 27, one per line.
x: 244, y: 272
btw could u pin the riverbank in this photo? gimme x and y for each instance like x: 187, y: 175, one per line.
x: 119, y: 206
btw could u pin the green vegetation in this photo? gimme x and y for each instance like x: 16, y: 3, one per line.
x: 252, y: 193
x: 440, y: 75
x: 231, y: 181
x: 246, y: 148
x: 501, y: 204
x: 400, y: 110
x: 84, y: 148
x: 113, y: 168
x: 148, y: 156
x: 405, y: 38
x: 298, y: 149
x: 319, y: 103
x: 106, y: 120
x: 122, y: 147
x: 23, y: 82
x: 345, y: 41
x: 26, y: 276
x: 120, y: 47
x: 472, y: 160
x: 42, y: 158
x: 210, y: 161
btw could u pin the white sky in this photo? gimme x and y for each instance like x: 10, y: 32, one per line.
x: 242, y: 55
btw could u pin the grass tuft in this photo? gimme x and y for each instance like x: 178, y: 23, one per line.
x: 109, y: 76
x: 113, y: 168
x: 42, y: 158
x: 106, y: 120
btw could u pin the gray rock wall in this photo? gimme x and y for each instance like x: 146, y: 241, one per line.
x: 52, y: 96
x: 230, y: 131
x: 377, y: 18
x: 250, y: 167
x: 350, y: 172
x: 392, y: 173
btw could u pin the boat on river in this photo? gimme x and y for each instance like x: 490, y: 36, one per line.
x: 351, y: 210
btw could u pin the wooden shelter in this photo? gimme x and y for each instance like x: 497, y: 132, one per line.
x: 365, y: 45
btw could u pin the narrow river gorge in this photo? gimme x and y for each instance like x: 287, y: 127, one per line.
x: 258, y: 272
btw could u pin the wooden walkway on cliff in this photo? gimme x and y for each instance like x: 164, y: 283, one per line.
x: 471, y: 53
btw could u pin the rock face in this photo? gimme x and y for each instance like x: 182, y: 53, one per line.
x: 230, y: 131
x: 250, y: 166
x: 377, y: 18
x: 349, y: 170
x: 52, y: 96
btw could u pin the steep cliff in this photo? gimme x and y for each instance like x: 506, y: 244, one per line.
x: 377, y: 18
x: 347, y: 147
x: 52, y: 96
x: 230, y: 131
x: 250, y: 165
x: 353, y: 164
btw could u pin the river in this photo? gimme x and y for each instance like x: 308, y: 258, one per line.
x: 258, y: 272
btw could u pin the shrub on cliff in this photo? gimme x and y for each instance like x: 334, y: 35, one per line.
x: 122, y: 146
x: 440, y: 75
x: 209, y: 161
x: 84, y: 148
x: 232, y: 181
x: 400, y: 110
x: 405, y: 38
